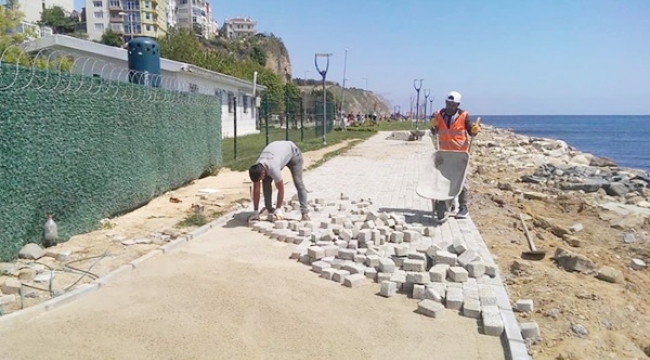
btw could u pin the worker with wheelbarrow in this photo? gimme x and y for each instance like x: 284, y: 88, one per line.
x: 453, y: 127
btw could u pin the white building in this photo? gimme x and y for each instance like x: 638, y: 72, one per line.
x: 33, y: 8
x: 193, y: 14
x: 94, y: 59
x: 171, y: 14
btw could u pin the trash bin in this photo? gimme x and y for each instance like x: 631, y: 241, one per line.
x: 144, y: 62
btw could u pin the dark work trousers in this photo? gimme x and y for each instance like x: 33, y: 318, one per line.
x: 295, y: 166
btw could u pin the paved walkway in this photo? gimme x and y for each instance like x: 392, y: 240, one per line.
x: 233, y: 293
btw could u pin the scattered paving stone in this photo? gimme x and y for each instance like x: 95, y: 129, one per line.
x: 529, y: 330
x: 524, y: 305
x: 638, y: 264
x: 351, y: 243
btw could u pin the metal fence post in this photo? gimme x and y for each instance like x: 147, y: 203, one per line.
x: 234, y: 101
x: 266, y: 121
x: 302, y: 118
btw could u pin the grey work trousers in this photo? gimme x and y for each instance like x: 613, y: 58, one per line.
x: 295, y: 166
x: 463, y: 197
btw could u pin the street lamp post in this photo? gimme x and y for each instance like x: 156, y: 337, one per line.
x: 417, y: 103
x: 427, y: 92
x: 323, y: 73
x: 345, y: 64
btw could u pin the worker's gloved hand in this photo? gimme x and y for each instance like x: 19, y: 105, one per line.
x: 476, y: 128
x: 277, y: 214
x: 434, y: 131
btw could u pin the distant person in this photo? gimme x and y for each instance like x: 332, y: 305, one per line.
x: 452, y: 124
x: 268, y: 168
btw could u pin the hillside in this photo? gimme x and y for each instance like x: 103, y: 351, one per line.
x: 356, y: 100
x: 267, y: 50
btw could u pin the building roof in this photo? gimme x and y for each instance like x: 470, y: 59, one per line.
x: 79, y: 45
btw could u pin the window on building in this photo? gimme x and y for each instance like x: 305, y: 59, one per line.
x: 244, y: 103
x: 148, y: 16
x: 98, y: 14
x: 114, y: 3
x: 99, y: 27
x: 148, y: 27
x: 147, y: 4
x: 194, y: 89
x: 96, y: 4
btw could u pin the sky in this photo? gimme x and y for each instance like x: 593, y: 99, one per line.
x: 506, y: 57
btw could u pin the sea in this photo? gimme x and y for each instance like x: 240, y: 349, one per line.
x: 624, y: 139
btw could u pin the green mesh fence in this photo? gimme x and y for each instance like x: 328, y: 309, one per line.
x: 85, y: 148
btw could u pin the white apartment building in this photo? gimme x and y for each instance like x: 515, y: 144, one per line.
x: 171, y: 14
x: 127, y: 18
x: 194, y: 14
x: 239, y: 27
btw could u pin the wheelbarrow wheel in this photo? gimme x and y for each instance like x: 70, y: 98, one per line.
x: 440, y: 208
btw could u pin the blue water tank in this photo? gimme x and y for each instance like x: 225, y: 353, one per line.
x: 144, y: 62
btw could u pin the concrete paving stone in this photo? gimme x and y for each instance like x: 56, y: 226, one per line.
x: 316, y: 252
x: 416, y: 265
x: 417, y: 277
x: 347, y: 254
x: 440, y: 288
x: 355, y: 280
x: 487, y: 295
x: 524, y: 305
x: 348, y: 225
x: 471, y: 293
x: 432, y: 294
x: 375, y: 235
x: 340, y: 275
x: 459, y: 245
x: 324, y: 243
x: 472, y: 308
x: 364, y: 235
x: 293, y: 225
x: 360, y: 259
x: 432, y: 251
x: 429, y: 231
x: 329, y: 236
x: 417, y: 255
x: 386, y: 265
x: 438, y: 273
x: 368, y: 225
x: 319, y: 266
x: 371, y: 273
x: 422, y: 249
x: 331, y: 250
x: 490, y: 309
x: 383, y: 277
x: 402, y: 249
x: 468, y: 257
x: 398, y: 260
x: 305, y: 259
x: 304, y: 232
x: 397, y: 237
x: 399, y: 228
x: 454, y: 298
x: 342, y: 244
x: 476, y: 269
x: 411, y: 236
x: 430, y: 308
x: 328, y: 259
x: 529, y: 330
x: 383, y: 230
x: 353, y: 244
x: 388, y: 288
x: 297, y: 253
x: 362, y: 251
x: 418, y: 291
x: 445, y: 257
x: 372, y: 260
x: 491, y: 270
x: 281, y: 224
x: 457, y: 274
x: 492, y: 324
x: 337, y: 263
x: 399, y: 278
x: 354, y: 269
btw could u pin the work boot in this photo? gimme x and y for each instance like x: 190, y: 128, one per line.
x: 462, y: 212
x: 305, y: 217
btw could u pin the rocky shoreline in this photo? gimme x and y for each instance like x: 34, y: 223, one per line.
x: 591, y: 216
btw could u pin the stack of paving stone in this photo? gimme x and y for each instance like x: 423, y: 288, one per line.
x: 351, y: 243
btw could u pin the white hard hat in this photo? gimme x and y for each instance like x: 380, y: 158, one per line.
x: 454, y: 96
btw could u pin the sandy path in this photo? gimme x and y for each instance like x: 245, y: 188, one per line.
x: 234, y: 294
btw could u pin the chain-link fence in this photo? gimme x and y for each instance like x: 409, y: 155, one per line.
x: 79, y: 141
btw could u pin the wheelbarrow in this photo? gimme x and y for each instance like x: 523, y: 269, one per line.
x: 442, y: 178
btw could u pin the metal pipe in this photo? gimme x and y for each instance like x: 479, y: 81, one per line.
x: 323, y: 73
x: 417, y: 103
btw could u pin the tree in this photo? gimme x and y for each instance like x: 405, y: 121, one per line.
x: 259, y: 55
x: 56, y: 18
x: 292, y: 98
x: 10, y: 40
x: 110, y: 38
x: 12, y: 4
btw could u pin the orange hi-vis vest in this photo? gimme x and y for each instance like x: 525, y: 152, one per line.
x: 455, y: 137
